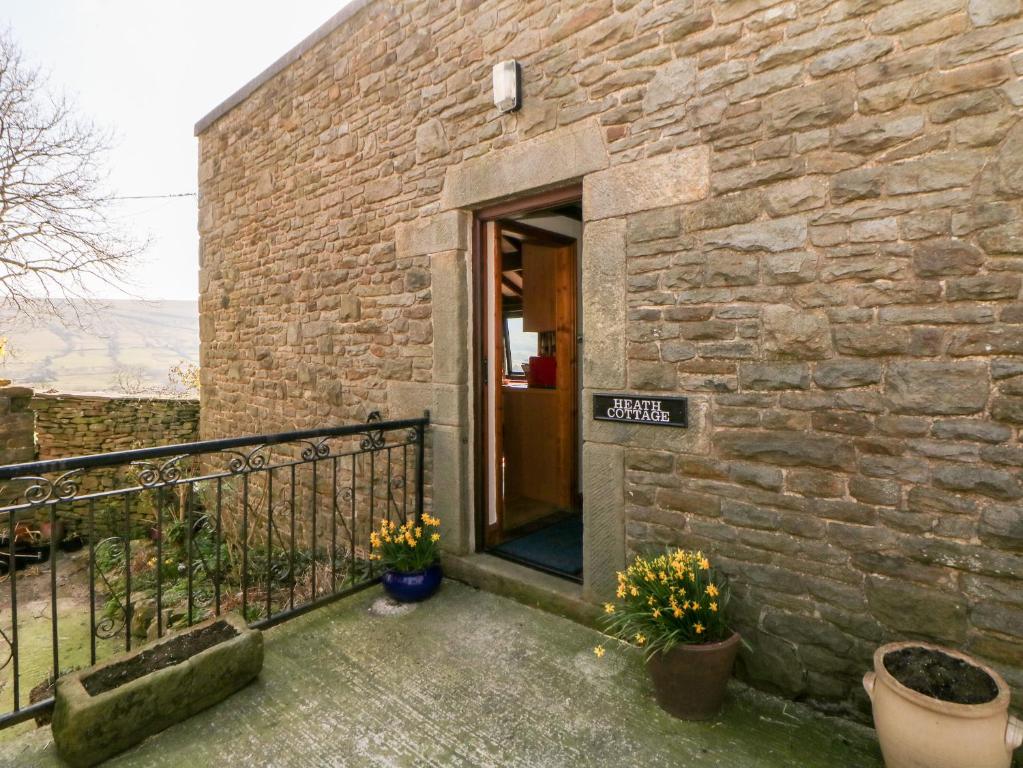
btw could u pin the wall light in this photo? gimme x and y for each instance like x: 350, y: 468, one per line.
x: 508, y: 86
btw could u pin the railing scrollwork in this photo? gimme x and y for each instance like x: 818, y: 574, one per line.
x: 158, y: 538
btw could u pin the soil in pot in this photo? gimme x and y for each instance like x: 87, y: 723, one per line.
x: 940, y: 676
x: 162, y: 656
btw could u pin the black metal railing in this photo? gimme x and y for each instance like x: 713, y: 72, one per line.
x: 100, y: 553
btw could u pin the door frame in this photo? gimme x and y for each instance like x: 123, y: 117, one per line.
x: 479, y: 286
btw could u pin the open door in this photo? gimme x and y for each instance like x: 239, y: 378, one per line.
x: 493, y: 375
x: 530, y: 425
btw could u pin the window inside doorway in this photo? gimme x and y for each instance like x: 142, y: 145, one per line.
x: 520, y: 345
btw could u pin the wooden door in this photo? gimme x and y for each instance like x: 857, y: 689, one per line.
x: 547, y: 418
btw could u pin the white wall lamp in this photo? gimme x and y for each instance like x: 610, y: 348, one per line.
x: 508, y: 86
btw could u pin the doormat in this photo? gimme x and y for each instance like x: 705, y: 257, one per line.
x: 557, y: 548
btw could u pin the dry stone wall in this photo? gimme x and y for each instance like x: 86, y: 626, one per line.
x: 81, y: 425
x: 17, y: 436
x: 841, y: 298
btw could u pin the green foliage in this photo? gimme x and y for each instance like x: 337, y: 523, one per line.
x: 273, y: 566
x: 668, y: 600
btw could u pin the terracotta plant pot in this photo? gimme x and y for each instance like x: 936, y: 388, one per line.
x: 920, y: 731
x: 689, y: 680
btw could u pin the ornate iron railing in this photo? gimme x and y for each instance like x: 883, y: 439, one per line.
x: 159, y: 538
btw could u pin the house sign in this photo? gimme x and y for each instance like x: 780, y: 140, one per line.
x: 639, y: 409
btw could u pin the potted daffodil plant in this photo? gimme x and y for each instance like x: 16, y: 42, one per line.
x: 674, y: 607
x: 410, y: 554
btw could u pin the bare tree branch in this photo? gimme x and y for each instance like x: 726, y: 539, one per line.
x: 58, y: 242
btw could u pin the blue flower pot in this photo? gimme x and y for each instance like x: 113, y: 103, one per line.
x: 412, y: 587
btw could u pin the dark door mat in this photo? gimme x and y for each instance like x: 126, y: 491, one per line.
x: 558, y: 548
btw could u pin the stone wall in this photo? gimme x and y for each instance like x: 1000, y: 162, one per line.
x: 17, y: 435
x: 805, y: 215
x: 80, y: 425
x: 17, y: 438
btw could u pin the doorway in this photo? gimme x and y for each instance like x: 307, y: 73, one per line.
x: 528, y: 350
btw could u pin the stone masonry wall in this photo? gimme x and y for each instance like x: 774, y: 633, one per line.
x: 17, y: 438
x: 17, y: 435
x: 80, y: 425
x: 839, y: 295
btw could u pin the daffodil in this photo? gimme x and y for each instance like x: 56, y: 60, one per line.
x: 598, y: 651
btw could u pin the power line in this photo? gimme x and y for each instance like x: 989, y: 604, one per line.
x: 152, y: 197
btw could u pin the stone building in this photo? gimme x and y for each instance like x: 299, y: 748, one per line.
x: 802, y: 216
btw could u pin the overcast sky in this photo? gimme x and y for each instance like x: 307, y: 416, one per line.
x: 149, y: 71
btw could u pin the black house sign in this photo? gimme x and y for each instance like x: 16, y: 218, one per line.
x: 642, y: 409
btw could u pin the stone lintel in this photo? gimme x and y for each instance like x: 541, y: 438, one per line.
x: 654, y: 182
x: 559, y: 157
x: 445, y: 231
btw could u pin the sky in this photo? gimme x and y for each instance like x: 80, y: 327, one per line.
x: 148, y: 71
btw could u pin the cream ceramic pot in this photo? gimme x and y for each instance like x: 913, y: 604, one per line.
x: 918, y: 731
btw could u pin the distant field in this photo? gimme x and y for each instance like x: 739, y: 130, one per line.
x: 136, y: 340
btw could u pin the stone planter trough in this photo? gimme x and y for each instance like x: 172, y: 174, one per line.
x: 112, y: 706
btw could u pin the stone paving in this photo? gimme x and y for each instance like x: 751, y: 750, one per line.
x: 469, y: 679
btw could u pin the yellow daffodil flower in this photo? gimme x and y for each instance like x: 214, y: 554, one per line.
x: 598, y: 651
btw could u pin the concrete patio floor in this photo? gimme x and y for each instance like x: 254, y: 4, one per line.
x: 469, y: 679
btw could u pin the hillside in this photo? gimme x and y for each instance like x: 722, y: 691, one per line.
x: 136, y: 341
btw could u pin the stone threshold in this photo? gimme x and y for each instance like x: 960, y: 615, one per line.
x: 523, y: 584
